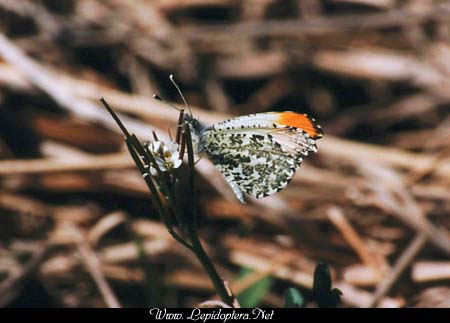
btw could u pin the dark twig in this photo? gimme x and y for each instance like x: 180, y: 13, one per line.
x: 12, y: 286
x: 191, y: 166
x: 218, y: 282
x: 402, y: 263
x: 93, y: 265
x: 179, y: 127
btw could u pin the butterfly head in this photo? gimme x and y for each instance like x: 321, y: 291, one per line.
x: 197, y: 128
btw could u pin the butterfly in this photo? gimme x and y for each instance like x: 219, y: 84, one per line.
x: 258, y: 154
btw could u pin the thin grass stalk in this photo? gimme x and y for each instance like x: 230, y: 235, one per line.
x: 154, y: 195
x: 191, y: 171
x: 179, y: 127
x: 135, y: 149
x: 168, y: 192
x: 199, y: 251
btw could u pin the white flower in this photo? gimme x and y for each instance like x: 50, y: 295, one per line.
x: 166, y: 156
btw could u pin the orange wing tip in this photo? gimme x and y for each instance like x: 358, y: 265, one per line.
x: 302, y: 121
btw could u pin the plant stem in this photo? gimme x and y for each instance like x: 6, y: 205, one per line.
x: 143, y: 158
x: 191, y: 171
x: 217, y: 281
x: 197, y: 246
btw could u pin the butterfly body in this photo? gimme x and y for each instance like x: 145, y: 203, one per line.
x: 259, y: 153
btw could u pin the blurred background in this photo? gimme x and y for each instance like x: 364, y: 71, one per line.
x: 77, y: 228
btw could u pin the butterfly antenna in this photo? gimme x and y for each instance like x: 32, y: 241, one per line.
x: 157, y: 97
x: 173, y: 126
x: 181, y: 94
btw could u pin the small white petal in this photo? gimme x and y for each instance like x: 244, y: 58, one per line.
x: 177, y: 163
x: 173, y: 147
x: 161, y: 163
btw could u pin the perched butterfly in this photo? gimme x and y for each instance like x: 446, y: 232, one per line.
x: 258, y: 153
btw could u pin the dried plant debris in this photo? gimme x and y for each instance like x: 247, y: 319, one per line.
x: 78, y: 226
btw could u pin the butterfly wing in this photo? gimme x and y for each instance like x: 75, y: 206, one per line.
x: 258, y: 154
x: 273, y: 120
x: 252, y: 163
